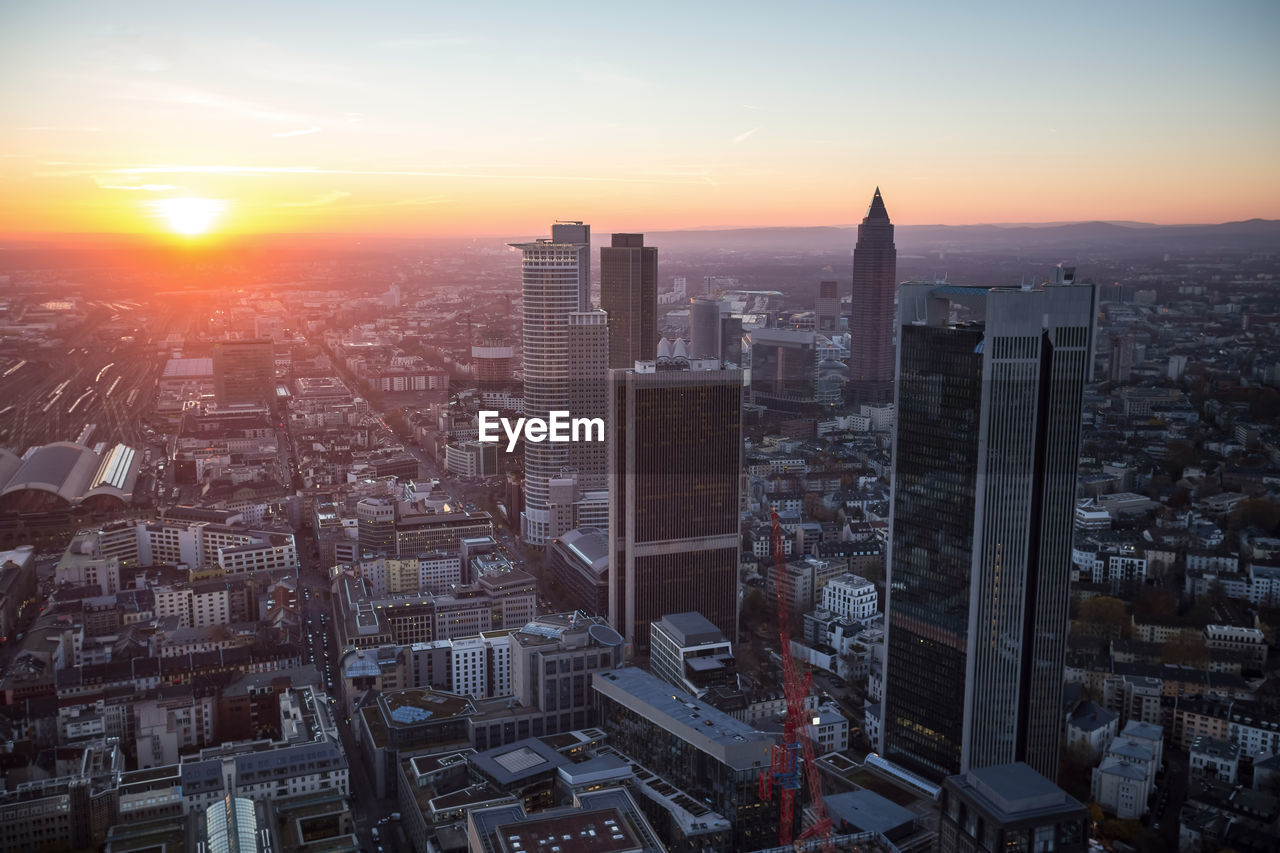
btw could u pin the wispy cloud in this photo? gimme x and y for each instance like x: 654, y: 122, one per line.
x: 171, y: 93
x: 153, y: 188
x: 318, y: 201
x: 752, y: 107
x: 46, y: 127
x: 258, y: 171
x: 302, y: 131
x: 743, y: 137
x: 408, y: 202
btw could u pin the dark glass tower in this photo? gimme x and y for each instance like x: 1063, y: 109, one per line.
x: 988, y: 434
x: 629, y: 294
x: 244, y: 371
x: 871, y: 315
x: 675, y: 456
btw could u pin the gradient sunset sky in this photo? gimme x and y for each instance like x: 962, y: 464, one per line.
x: 495, y: 118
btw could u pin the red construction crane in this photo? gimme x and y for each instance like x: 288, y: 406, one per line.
x: 796, y: 747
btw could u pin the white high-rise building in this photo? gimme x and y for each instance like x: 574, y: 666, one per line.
x: 557, y: 282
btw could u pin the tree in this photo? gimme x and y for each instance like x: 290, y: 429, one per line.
x: 1075, y: 770
x: 1255, y: 512
x: 1108, y: 613
x: 1122, y: 830
x: 755, y: 610
x: 1154, y: 604
x: 1187, y: 648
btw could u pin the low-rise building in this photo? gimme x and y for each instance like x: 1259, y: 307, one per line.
x: 1123, y: 782
x: 1214, y: 759
x: 851, y: 597
x: 686, y: 650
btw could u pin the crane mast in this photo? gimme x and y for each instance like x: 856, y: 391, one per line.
x: 793, y: 757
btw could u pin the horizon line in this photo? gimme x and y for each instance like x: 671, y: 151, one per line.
x: 150, y: 236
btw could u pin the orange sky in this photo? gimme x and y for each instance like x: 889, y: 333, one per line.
x: 454, y: 121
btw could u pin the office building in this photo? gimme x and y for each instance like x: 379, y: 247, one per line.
x: 688, y: 651
x: 714, y: 757
x: 988, y: 432
x: 580, y: 567
x: 605, y: 819
x: 675, y: 457
x: 704, y: 326
x: 557, y: 278
x: 1008, y: 807
x: 871, y: 315
x: 70, y: 811
x: 494, y: 359
x: 590, y: 333
x: 786, y: 371
x: 376, y: 526
x: 629, y: 294
x: 244, y: 371
x: 714, y: 331
x: 827, y: 308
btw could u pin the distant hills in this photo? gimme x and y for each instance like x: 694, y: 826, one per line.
x: 1071, y: 240
x: 1253, y: 235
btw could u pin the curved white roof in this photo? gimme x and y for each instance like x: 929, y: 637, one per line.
x: 116, y: 474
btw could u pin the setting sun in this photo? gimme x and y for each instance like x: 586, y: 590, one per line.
x: 189, y: 217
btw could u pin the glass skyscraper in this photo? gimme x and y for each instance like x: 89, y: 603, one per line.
x: 990, y: 385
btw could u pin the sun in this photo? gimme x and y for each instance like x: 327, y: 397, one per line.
x: 189, y: 217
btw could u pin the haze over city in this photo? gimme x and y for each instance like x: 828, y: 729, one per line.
x: 825, y: 427
x: 492, y: 118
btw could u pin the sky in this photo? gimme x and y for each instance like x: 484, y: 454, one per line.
x: 497, y: 118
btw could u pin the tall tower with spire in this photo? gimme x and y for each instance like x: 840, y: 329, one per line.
x: 871, y: 318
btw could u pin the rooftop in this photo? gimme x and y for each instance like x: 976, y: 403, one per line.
x: 712, y: 731
x: 868, y: 811
x: 601, y: 831
x: 1013, y: 792
x: 413, y: 706
x: 508, y: 764
x: 690, y: 629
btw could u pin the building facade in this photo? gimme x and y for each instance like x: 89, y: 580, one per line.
x: 675, y: 453
x: 871, y: 318
x: 1009, y: 807
x: 244, y: 371
x: 988, y: 431
x: 556, y: 279
x: 629, y: 294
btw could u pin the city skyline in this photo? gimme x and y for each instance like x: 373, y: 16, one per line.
x: 157, y: 121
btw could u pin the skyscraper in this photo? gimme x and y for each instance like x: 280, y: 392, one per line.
x: 629, y: 294
x: 827, y: 307
x: 871, y: 316
x: 705, y: 326
x: 675, y: 456
x: 714, y: 331
x: 244, y: 371
x: 589, y: 341
x: 557, y: 279
x: 988, y: 434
